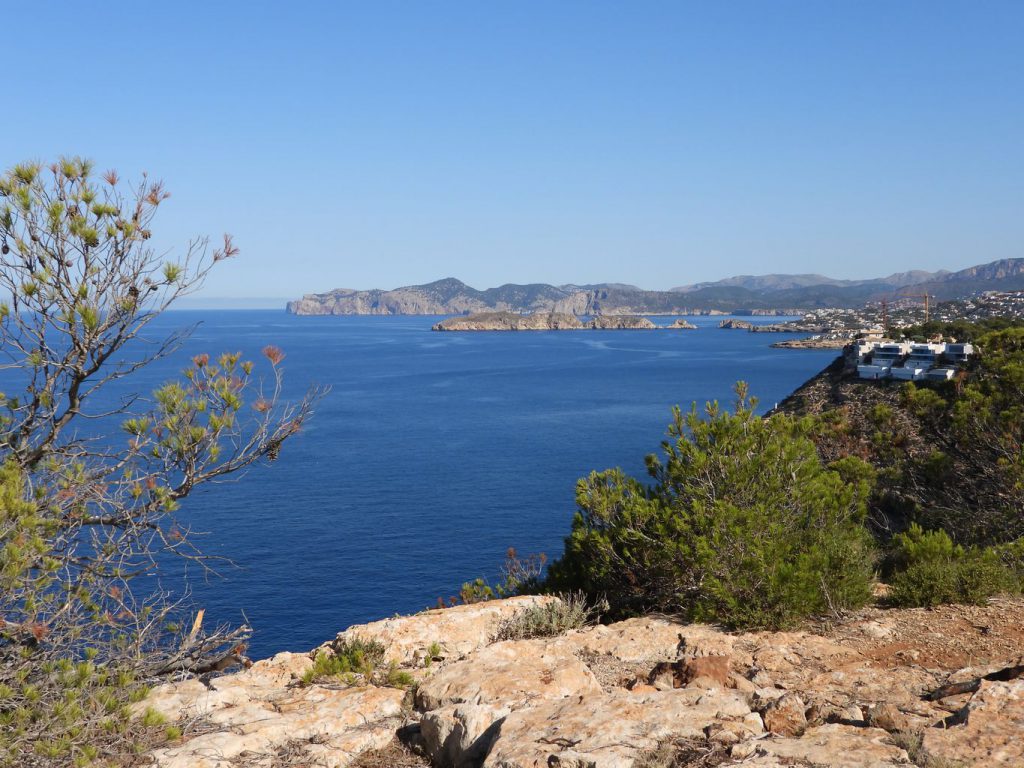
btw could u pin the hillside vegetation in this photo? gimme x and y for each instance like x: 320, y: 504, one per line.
x: 758, y: 522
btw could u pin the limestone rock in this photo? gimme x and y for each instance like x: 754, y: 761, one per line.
x: 621, y: 323
x: 652, y: 638
x: 835, y: 746
x: 770, y: 699
x: 349, y: 721
x: 510, y: 672
x: 609, y: 730
x: 458, y: 630
x: 990, y: 728
x: 887, y: 717
x: 786, y: 715
x: 460, y: 734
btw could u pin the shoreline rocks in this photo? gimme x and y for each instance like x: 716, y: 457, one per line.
x: 813, y: 342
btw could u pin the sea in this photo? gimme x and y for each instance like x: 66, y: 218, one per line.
x: 431, y: 453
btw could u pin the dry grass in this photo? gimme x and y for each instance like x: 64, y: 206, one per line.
x: 395, y: 755
x: 570, y: 611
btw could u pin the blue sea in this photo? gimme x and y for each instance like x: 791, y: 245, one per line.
x: 434, y: 452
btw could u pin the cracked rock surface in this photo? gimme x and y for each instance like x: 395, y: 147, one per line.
x: 648, y: 692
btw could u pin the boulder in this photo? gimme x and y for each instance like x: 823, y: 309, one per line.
x: 786, y: 715
x: 610, y: 729
x: 346, y: 721
x: 835, y: 746
x: 510, y: 672
x: 652, y: 638
x: 987, y: 730
x: 888, y: 717
x: 459, y: 735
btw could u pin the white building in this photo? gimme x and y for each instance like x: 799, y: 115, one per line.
x: 910, y: 362
x: 884, y: 355
x: 958, y: 353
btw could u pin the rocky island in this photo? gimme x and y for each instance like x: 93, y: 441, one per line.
x: 544, y: 321
x: 685, y: 325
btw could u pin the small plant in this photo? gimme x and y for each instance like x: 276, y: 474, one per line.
x: 913, y: 743
x: 550, y: 619
x: 682, y: 753
x: 434, y: 653
x: 521, y: 575
x: 397, y: 678
x: 348, y: 660
x: 476, y: 591
x: 152, y: 717
x: 932, y: 570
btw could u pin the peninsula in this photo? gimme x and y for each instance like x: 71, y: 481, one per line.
x: 745, y: 294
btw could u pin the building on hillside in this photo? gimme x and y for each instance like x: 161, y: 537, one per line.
x: 958, y: 353
x: 934, y: 361
x: 941, y: 374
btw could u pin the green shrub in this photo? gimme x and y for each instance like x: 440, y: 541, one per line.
x: 744, y: 526
x: 930, y: 570
x: 348, y: 660
x: 1012, y: 555
x: 397, y: 678
x: 570, y: 611
x: 356, y: 661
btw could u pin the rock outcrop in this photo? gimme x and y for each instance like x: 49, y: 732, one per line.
x: 618, y: 695
x: 814, y: 342
x: 738, y: 325
x: 684, y: 324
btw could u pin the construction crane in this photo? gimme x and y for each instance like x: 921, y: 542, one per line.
x: 926, y: 298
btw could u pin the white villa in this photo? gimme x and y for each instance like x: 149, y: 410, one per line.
x: 935, y: 361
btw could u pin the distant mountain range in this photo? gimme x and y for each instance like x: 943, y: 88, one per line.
x: 757, y: 294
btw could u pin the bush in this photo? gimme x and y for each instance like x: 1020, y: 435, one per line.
x: 347, y: 660
x: 356, y: 661
x: 570, y: 611
x: 931, y: 570
x: 744, y: 526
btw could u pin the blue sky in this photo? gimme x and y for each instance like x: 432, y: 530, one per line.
x: 657, y: 143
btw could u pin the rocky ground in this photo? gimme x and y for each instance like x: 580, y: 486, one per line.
x: 647, y: 692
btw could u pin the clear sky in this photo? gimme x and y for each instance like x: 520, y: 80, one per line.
x: 378, y: 144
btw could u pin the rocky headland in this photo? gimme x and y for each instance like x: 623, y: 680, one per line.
x: 870, y: 691
x: 814, y: 342
x: 744, y: 294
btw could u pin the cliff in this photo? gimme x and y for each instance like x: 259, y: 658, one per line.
x: 643, y: 692
x: 760, y: 295
x: 442, y: 297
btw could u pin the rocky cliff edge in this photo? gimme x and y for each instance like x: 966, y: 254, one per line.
x: 648, y: 692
